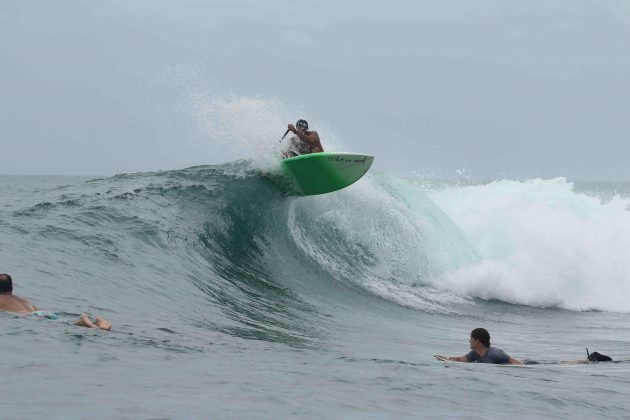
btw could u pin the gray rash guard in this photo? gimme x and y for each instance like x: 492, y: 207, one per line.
x: 493, y: 355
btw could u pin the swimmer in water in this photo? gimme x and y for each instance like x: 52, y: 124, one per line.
x: 17, y: 305
x: 481, y: 351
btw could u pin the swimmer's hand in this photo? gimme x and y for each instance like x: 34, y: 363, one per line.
x: 441, y: 357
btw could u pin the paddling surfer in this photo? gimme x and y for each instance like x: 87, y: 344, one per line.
x: 17, y: 305
x: 481, y: 351
x: 304, y: 141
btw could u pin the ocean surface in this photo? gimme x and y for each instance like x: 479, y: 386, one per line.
x: 231, y: 300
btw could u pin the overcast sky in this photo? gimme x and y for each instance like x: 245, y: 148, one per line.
x: 481, y: 89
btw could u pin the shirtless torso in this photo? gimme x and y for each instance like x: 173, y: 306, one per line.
x: 16, y: 304
x: 311, y: 140
x: 304, y: 141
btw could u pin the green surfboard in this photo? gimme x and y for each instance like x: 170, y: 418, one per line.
x: 324, y: 172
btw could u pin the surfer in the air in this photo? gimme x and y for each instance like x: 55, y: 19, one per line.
x: 17, y: 305
x: 481, y: 351
x: 304, y: 141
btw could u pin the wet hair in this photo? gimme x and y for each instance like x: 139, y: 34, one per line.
x: 302, y: 125
x: 482, y: 335
x: 6, y: 283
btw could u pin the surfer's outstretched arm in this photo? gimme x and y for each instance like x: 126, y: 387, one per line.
x: 514, y: 361
x: 452, y: 358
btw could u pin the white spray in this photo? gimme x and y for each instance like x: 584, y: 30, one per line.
x: 542, y: 244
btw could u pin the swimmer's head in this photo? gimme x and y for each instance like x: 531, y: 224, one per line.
x: 482, y: 335
x: 6, y: 283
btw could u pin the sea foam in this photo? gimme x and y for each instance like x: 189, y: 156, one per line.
x: 541, y: 244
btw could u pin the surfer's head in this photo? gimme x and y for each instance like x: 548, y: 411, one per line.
x: 6, y: 284
x: 482, y: 335
x: 301, y: 125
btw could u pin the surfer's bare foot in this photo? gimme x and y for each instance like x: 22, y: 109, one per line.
x: 102, y: 323
x: 84, y: 321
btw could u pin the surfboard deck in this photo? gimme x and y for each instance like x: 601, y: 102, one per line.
x: 324, y: 172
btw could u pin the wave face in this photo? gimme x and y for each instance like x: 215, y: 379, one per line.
x: 221, y: 247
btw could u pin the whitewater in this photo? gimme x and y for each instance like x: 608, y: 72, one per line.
x: 231, y: 300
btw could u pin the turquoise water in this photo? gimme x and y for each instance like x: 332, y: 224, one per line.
x: 230, y: 300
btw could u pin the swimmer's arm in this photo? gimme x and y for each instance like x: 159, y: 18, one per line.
x: 452, y: 358
x: 514, y: 361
